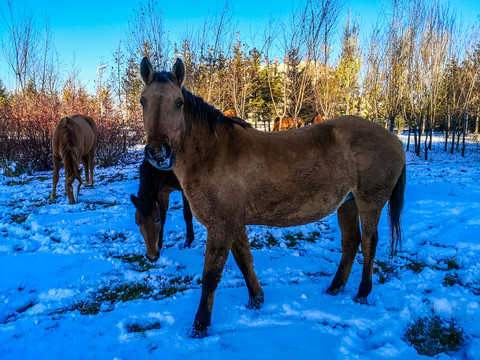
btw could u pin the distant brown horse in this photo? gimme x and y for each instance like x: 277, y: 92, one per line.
x: 317, y: 119
x: 74, y: 141
x: 152, y: 204
x: 233, y: 175
x: 230, y: 112
x: 286, y: 123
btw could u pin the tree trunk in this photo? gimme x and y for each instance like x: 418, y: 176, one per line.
x: 447, y: 129
x: 475, y: 135
x: 465, y: 121
x: 392, y: 123
x: 454, y: 129
x: 408, y: 138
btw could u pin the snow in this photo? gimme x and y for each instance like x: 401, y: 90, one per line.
x: 56, y: 258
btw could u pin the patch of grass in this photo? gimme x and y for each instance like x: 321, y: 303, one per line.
x: 17, y: 182
x: 317, y: 275
x: 13, y: 169
x: 415, y: 266
x: 452, y: 264
x: 268, y: 241
x: 140, y: 328
x: 451, y: 279
x: 256, y: 244
x: 176, y: 206
x: 43, y: 178
x: 115, y: 237
x: 293, y: 240
x: 138, y: 262
x: 19, y: 219
x: 176, y: 285
x: 94, y: 205
x: 124, y: 293
x: 433, y: 335
x: 87, y: 308
x: 112, y: 179
x: 271, y: 241
x: 384, y: 270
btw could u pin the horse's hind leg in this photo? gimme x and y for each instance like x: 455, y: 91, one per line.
x: 85, y: 168
x: 369, y: 216
x: 348, y: 221
x: 187, y: 215
x: 243, y: 257
x: 57, y: 163
x: 91, y: 165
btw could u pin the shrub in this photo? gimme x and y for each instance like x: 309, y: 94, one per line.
x: 433, y: 335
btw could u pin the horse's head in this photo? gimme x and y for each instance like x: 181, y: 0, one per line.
x: 147, y: 217
x: 73, y: 180
x: 163, y: 118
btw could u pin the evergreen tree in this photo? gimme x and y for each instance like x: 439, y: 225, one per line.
x: 348, y: 70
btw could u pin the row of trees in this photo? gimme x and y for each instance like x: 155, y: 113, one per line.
x: 417, y: 70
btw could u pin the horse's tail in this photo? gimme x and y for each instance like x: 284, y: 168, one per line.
x: 395, y: 207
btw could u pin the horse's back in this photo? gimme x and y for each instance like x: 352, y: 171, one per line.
x: 79, y: 129
x: 304, y: 174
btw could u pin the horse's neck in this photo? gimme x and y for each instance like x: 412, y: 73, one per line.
x: 199, y: 148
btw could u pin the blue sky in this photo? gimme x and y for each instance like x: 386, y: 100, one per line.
x: 89, y: 31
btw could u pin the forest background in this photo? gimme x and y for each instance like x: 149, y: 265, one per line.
x: 416, y: 70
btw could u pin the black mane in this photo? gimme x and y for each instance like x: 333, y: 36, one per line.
x: 145, y: 192
x: 201, y: 110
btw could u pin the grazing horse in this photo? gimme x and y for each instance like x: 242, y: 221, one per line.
x: 232, y: 176
x: 286, y: 123
x: 152, y: 204
x: 74, y: 140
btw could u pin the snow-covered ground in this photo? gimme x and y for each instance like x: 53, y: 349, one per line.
x: 73, y: 283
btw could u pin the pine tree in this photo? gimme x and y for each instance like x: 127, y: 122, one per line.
x: 348, y: 70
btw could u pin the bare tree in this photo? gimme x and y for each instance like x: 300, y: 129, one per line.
x: 20, y: 47
x: 146, y: 35
x: 324, y: 15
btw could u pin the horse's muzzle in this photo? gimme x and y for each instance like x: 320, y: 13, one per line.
x: 163, y: 159
x: 153, y: 259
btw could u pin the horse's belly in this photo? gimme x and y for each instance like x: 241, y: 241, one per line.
x: 291, y: 214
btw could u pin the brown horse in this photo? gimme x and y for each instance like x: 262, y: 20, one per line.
x: 232, y: 176
x: 319, y: 118
x: 229, y: 112
x: 152, y: 204
x: 286, y: 123
x: 74, y: 141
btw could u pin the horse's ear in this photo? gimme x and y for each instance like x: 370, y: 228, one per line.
x: 80, y: 171
x: 146, y: 71
x: 134, y: 200
x: 178, y: 72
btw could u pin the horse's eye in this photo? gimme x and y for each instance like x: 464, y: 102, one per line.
x: 142, y: 103
x: 179, y: 104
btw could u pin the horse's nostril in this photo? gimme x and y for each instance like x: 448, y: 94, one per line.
x: 153, y: 259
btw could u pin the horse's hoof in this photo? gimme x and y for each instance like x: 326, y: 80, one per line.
x: 255, y: 302
x: 335, y: 290
x: 198, y: 331
x: 361, y: 300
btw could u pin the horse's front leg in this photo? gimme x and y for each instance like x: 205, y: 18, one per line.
x: 219, y: 243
